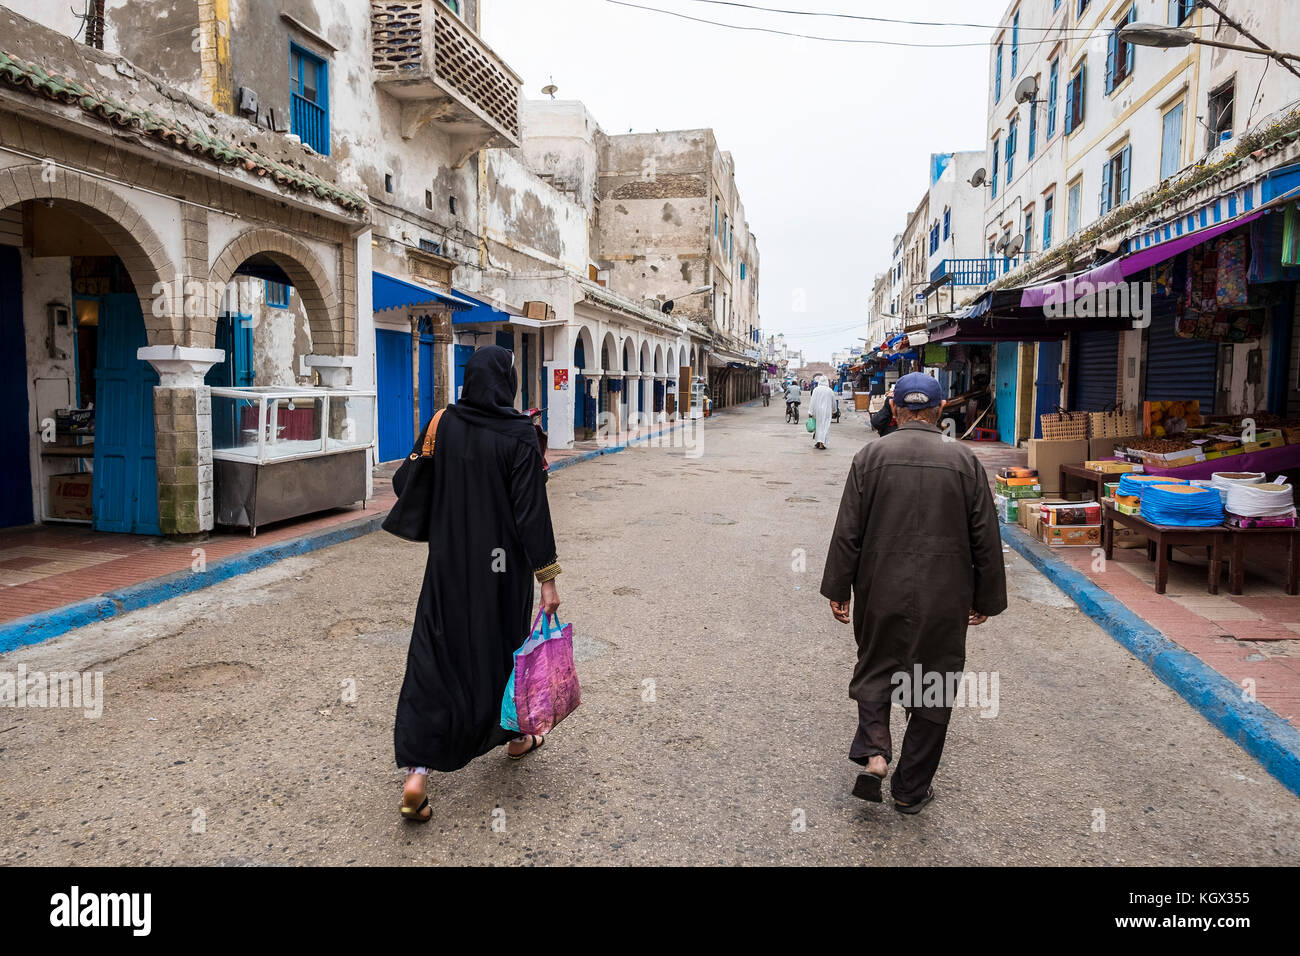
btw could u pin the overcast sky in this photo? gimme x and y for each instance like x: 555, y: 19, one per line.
x: 831, y: 140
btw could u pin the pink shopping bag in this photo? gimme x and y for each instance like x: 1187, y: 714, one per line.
x: 543, y: 689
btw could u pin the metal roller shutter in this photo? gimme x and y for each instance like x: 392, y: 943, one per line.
x: 1179, y: 369
x: 1094, y: 358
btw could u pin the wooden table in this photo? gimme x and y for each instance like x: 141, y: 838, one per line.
x: 1095, y: 479
x: 1237, y: 540
x: 1161, y: 541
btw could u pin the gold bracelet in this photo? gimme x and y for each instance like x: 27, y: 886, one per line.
x: 547, y: 573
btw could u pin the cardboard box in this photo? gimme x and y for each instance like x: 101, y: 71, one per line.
x: 1048, y: 455
x: 1072, y: 536
x: 1105, y: 447
x: 1127, y: 537
x: 1008, y: 509
x: 535, y: 310
x: 1020, y: 491
x: 1080, y: 513
x: 1113, y: 467
x: 1031, y: 511
x: 71, y: 495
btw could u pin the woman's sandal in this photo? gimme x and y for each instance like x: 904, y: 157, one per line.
x: 417, y: 814
x: 536, y: 744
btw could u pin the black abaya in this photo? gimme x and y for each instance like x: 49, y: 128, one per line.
x: 490, y: 536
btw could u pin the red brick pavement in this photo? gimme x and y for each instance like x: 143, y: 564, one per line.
x: 1252, y: 636
x: 52, y: 566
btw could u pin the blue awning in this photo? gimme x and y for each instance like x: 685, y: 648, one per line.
x: 390, y: 293
x: 480, y: 311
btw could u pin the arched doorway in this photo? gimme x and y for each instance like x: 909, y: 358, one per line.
x: 96, y: 283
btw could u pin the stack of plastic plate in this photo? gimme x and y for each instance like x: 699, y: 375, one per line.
x: 1182, y: 505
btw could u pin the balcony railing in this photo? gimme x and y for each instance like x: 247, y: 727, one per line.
x: 428, y: 58
x: 976, y: 271
x: 310, y: 124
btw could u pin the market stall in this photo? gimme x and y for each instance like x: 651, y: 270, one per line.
x: 281, y: 452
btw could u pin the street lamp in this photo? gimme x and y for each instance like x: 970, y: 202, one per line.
x: 1168, y: 37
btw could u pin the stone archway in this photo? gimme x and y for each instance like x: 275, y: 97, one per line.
x: 122, y: 226
x: 309, y: 277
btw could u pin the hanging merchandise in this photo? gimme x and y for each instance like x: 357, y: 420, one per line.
x: 1231, y: 290
x: 1185, y: 506
x: 1203, y: 278
x: 1291, y: 236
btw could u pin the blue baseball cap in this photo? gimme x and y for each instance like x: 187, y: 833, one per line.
x: 917, y: 391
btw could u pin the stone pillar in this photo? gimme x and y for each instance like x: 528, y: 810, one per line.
x: 182, y: 411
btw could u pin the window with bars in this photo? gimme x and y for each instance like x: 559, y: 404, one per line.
x: 309, y: 96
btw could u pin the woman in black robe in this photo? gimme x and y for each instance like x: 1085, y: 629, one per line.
x: 490, y: 537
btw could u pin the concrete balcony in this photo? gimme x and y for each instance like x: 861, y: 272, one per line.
x: 429, y: 60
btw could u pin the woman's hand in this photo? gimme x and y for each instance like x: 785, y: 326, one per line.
x: 550, y: 598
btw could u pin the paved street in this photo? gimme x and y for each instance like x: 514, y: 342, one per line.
x: 715, y: 718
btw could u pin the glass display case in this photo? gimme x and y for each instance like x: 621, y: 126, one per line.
x: 279, y: 451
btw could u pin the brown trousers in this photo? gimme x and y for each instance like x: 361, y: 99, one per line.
x: 920, y: 753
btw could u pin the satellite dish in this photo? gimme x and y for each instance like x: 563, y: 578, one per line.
x: 977, y: 178
x: 1002, y: 243
x: 1016, y: 244
x: 1027, y: 89
x: 550, y: 89
x: 667, y: 307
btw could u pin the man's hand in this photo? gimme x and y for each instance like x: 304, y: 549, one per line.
x: 841, y: 611
x: 977, y: 619
x: 550, y: 598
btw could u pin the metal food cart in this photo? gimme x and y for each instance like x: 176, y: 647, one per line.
x: 279, y: 452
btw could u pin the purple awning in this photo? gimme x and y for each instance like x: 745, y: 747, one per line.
x: 1119, y: 269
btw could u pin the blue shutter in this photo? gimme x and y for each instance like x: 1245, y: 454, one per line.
x: 1107, y: 180
x: 1047, y: 225
x: 1015, y: 43
x: 1083, y: 94
x: 1033, y: 130
x: 1052, y: 86
x: 1069, y: 106
x: 1124, y: 173
x: 997, y: 75
x: 1171, y: 143
x: 996, y: 144
x: 1112, y: 42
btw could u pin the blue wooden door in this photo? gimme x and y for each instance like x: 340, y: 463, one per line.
x: 15, y: 429
x: 126, y: 475
x: 1008, y: 372
x: 463, y: 352
x: 1047, y: 383
x: 396, y: 394
x: 426, y: 378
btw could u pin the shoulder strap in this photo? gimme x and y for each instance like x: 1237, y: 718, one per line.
x: 431, y: 434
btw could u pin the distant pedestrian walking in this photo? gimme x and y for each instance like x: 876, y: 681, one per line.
x: 882, y: 420
x: 822, y: 407
x: 767, y: 393
x: 916, y: 546
x: 490, y: 536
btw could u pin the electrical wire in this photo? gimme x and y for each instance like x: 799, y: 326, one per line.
x: 858, y: 16
x: 801, y: 36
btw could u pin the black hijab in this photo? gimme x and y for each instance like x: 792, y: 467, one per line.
x: 487, y: 398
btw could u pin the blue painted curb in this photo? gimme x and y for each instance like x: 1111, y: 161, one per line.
x: 1252, y: 726
x: 50, y: 624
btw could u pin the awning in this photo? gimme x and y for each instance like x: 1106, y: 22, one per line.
x: 390, y: 294
x: 1117, y: 270
x: 488, y: 311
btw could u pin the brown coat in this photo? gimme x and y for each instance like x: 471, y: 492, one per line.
x: 917, y: 543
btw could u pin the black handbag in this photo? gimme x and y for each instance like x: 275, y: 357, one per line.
x: 413, y: 484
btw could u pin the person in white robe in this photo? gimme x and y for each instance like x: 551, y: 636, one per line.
x: 822, y: 407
